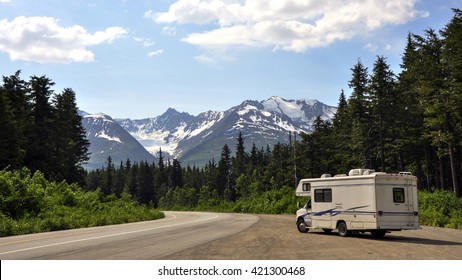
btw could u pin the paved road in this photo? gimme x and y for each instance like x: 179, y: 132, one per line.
x: 144, y: 240
x: 191, y: 236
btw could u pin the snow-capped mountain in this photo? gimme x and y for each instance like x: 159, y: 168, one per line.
x: 197, y: 139
x: 108, y: 138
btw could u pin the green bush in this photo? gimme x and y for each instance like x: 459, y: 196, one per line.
x: 29, y: 203
x: 440, y: 209
x: 279, y: 201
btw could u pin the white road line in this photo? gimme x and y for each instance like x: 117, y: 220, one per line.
x: 103, y: 236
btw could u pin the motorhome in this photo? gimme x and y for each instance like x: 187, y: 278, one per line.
x: 362, y: 201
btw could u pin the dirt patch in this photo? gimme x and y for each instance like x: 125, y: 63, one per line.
x: 275, y: 237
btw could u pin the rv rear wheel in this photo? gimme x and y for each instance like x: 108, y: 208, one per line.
x: 343, y: 230
x: 301, y: 226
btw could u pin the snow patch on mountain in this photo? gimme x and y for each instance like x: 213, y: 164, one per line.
x: 103, y: 134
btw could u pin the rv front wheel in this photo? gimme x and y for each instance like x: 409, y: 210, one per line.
x: 343, y: 230
x: 301, y: 226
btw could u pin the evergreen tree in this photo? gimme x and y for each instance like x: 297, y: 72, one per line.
x: 359, y: 111
x: 279, y: 171
x: 94, y: 180
x: 176, y: 174
x: 452, y: 94
x: 240, y: 160
x: 40, y: 154
x: 438, y: 116
x: 18, y: 96
x: 254, y: 157
x: 410, y: 121
x: 108, y: 184
x: 161, y: 177
x: 224, y: 180
x: 211, y: 175
x: 71, y: 144
x: 145, y: 181
x: 10, y: 151
x: 342, y: 125
x: 132, y: 184
x: 120, y: 178
x: 384, y: 102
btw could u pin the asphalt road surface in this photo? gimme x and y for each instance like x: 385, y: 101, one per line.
x: 191, y: 236
x: 144, y: 240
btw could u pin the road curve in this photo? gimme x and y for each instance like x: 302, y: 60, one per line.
x: 144, y: 240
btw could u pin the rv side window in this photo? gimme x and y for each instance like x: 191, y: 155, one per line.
x: 323, y: 195
x: 398, y: 195
x: 306, y: 187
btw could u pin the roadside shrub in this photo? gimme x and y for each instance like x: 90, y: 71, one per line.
x: 441, y: 209
x: 29, y: 203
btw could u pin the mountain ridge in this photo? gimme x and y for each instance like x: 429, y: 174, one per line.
x: 198, y: 139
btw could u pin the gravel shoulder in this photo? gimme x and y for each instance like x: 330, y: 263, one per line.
x: 275, y: 237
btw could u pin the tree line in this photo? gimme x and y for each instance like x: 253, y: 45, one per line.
x: 41, y: 130
x: 234, y: 176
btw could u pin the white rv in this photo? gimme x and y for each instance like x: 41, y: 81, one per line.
x: 363, y: 201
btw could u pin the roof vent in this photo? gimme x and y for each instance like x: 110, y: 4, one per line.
x: 358, y: 172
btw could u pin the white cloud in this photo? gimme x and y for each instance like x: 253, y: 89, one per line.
x: 290, y: 25
x: 5, y: 1
x: 169, y: 30
x: 145, y: 41
x: 43, y: 40
x: 155, y: 53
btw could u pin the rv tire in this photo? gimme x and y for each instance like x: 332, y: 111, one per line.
x: 301, y: 226
x: 343, y: 230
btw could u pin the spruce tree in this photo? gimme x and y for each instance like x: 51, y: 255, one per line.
x: 384, y: 102
x: 410, y: 125
x: 18, y: 95
x: 240, y: 161
x: 71, y: 144
x: 224, y: 179
x: 342, y: 125
x: 10, y: 151
x: 161, y: 177
x: 360, y: 116
x: 176, y: 174
x: 40, y: 155
x: 452, y: 58
x: 108, y: 183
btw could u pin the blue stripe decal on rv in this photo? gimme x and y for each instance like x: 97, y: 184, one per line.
x: 334, y: 212
x: 353, y: 211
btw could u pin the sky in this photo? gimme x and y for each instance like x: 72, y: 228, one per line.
x: 137, y: 58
